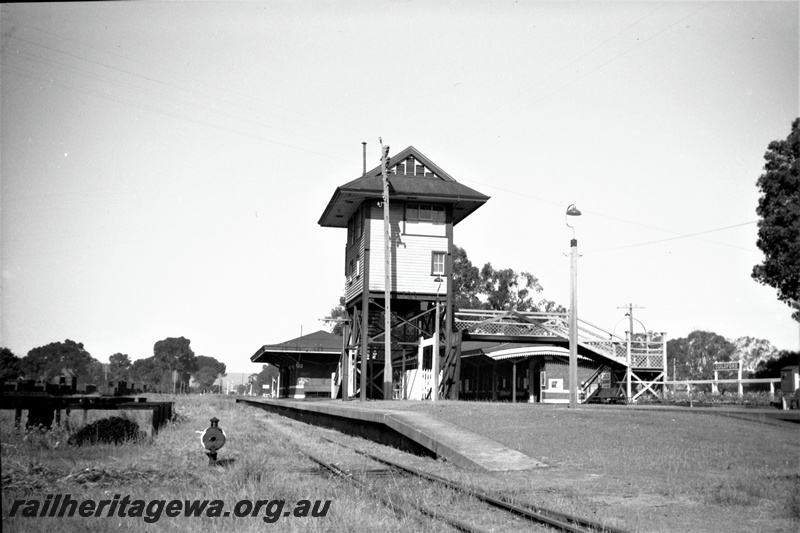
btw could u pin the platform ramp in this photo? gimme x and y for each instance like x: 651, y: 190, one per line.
x: 443, y: 439
x: 457, y: 445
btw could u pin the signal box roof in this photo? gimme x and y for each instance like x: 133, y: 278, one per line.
x: 412, y: 177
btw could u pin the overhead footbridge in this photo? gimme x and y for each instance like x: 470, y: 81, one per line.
x: 638, y: 362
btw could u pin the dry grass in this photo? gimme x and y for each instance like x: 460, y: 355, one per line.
x: 173, y: 466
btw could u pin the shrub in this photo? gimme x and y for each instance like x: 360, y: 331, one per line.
x: 114, y: 430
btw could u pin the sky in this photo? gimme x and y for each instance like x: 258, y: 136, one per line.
x: 163, y: 165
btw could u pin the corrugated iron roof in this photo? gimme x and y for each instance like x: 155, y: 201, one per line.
x: 527, y: 351
x: 510, y: 350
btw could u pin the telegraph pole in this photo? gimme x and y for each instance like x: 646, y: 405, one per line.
x: 387, y: 255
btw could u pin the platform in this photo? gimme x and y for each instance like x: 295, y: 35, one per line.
x: 440, y: 438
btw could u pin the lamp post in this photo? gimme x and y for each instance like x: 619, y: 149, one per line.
x: 573, y: 211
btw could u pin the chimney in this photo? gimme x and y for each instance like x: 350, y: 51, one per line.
x: 364, y: 150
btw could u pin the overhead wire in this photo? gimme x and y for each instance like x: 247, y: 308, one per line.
x: 153, y: 67
x: 101, y: 94
x: 715, y: 230
x: 678, y: 235
x: 560, y: 70
x: 147, y: 91
x: 518, y: 110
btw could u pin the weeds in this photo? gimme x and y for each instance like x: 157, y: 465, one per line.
x: 780, y: 495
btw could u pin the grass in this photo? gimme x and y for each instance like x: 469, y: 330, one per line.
x: 649, y: 469
x: 638, y: 470
x: 173, y: 466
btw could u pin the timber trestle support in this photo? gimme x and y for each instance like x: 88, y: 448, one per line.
x: 413, y: 331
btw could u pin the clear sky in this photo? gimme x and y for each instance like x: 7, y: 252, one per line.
x: 164, y: 164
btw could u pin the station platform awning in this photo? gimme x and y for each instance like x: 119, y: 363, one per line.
x: 290, y: 352
x: 510, y: 350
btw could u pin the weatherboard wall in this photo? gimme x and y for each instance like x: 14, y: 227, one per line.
x: 412, y: 251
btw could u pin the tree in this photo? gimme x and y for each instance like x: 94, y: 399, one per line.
x: 693, y: 356
x: 175, y: 355
x: 506, y: 289
x: 209, y: 369
x: 338, y: 314
x: 118, y: 366
x: 751, y: 352
x: 46, y: 362
x: 466, y: 281
x: 206, y: 361
x: 779, y: 223
x: 204, y: 378
x: 499, y: 289
x: 771, y: 368
x: 9, y: 365
x: 265, y: 377
x: 149, y: 372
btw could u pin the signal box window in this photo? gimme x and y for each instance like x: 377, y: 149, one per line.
x: 425, y: 213
x: 437, y: 264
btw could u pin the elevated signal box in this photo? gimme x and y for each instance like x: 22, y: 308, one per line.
x: 425, y: 203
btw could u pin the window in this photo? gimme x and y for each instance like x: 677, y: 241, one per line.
x: 358, y: 230
x: 425, y: 213
x: 437, y: 263
x: 350, y: 232
x: 353, y: 269
x: 355, y: 228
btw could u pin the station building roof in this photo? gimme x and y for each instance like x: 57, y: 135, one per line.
x: 412, y: 177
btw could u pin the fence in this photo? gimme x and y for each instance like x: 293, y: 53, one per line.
x: 715, y: 383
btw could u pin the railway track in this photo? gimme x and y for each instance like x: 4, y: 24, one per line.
x: 535, y: 514
x: 435, y: 498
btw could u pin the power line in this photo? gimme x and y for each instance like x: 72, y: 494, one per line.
x: 554, y: 74
x: 150, y: 78
x: 156, y: 110
x: 680, y: 237
x: 52, y: 63
x: 590, y: 72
